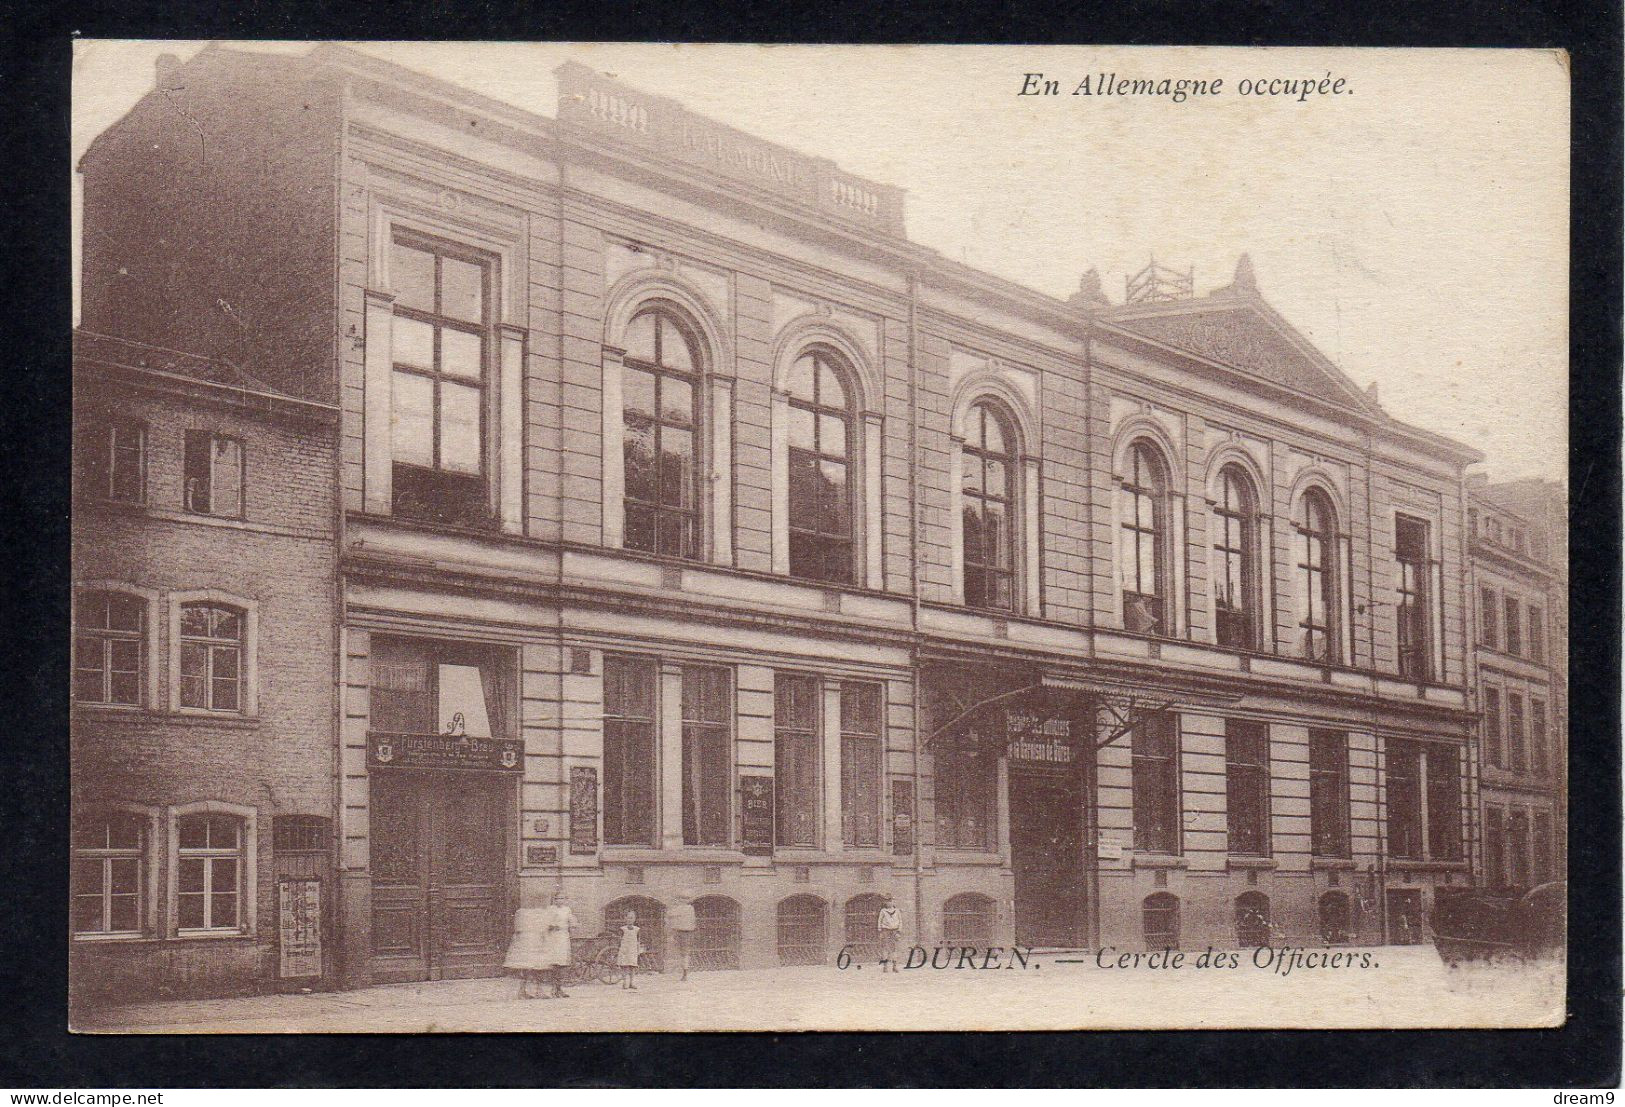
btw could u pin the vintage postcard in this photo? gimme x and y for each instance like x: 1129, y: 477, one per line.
x: 634, y: 537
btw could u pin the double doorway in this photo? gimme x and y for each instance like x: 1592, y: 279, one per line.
x: 441, y: 885
x: 1047, y: 857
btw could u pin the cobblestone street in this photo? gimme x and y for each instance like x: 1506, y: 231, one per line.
x: 1407, y: 987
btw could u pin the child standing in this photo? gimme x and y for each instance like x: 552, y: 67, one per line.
x: 890, y: 924
x: 627, y: 956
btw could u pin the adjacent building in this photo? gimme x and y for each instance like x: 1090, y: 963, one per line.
x: 204, y: 577
x: 700, y: 534
x: 1519, y: 554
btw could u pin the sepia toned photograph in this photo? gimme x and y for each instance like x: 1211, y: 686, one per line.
x: 660, y: 537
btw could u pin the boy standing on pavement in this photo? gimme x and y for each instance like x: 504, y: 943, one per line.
x: 680, y: 920
x: 890, y: 924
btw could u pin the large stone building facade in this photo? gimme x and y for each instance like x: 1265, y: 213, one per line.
x: 702, y: 535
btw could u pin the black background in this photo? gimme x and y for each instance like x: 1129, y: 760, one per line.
x: 38, y: 1053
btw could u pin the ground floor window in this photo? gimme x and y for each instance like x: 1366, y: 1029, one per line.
x: 1544, y: 869
x: 707, y: 767
x: 1253, y: 919
x: 1334, y: 918
x: 795, y: 758
x: 861, y: 770
x: 803, y: 930
x: 209, y: 877
x: 716, y: 933
x: 966, y: 806
x: 1160, y: 914
x: 1155, y: 751
x: 968, y: 920
x: 108, y: 875
x: 650, y: 917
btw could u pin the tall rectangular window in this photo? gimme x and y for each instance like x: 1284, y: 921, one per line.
x: 1543, y: 866
x: 1444, y: 802
x: 1493, y: 739
x: 108, y: 875
x: 1518, y: 848
x: 1495, y: 846
x: 1247, y: 785
x: 630, y: 716
x: 440, y: 348
x: 209, y: 880
x: 1156, y: 783
x: 109, y: 648
x: 966, y: 807
x: 661, y: 419
x: 707, y: 767
x: 115, y: 461
x: 211, y: 676
x: 1328, y: 793
x: 1539, y: 739
x: 1405, y: 801
x: 796, y: 753
x: 1411, y: 573
x: 1537, y: 634
x: 860, y: 764
x: 1489, y: 618
x: 1514, y: 639
x: 1516, y: 751
x: 213, y: 474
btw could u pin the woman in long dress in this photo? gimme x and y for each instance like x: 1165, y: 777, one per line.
x: 541, y: 945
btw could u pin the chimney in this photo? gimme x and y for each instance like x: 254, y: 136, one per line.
x: 1090, y: 293
x: 167, y: 66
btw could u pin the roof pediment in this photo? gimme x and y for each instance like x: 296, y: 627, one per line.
x: 1244, y: 334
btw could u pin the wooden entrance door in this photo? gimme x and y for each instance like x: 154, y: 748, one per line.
x: 439, y: 885
x: 1046, y: 854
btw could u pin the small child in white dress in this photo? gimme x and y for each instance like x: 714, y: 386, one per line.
x: 627, y: 956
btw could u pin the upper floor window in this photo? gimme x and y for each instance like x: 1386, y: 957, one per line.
x: 209, y: 879
x: 1411, y: 584
x: 429, y: 687
x: 1539, y: 752
x: 211, y: 657
x: 966, y: 789
x: 821, y: 451
x: 440, y: 348
x: 1235, y: 565
x: 108, y: 875
x: 1489, y: 618
x: 1537, y: 634
x: 115, y: 462
x: 1314, y: 544
x: 1517, y: 753
x: 660, y: 409
x: 214, y: 474
x: 110, y: 648
x: 629, y: 751
x: 1143, y: 515
x: 987, y: 475
x: 1512, y: 627
x: 1493, y: 737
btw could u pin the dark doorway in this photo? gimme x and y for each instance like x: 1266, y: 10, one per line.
x: 439, y: 882
x: 1046, y: 854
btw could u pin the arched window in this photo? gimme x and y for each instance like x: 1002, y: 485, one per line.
x: 821, y: 450
x: 1160, y: 916
x: 1253, y: 919
x: 987, y: 491
x: 651, y: 923
x: 109, y: 874
x: 862, y: 925
x: 110, y: 648
x: 211, y: 657
x: 1143, y: 516
x: 716, y: 933
x: 660, y: 408
x: 803, y: 930
x: 1314, y: 544
x: 1235, y: 561
x: 1334, y: 918
x: 967, y: 920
